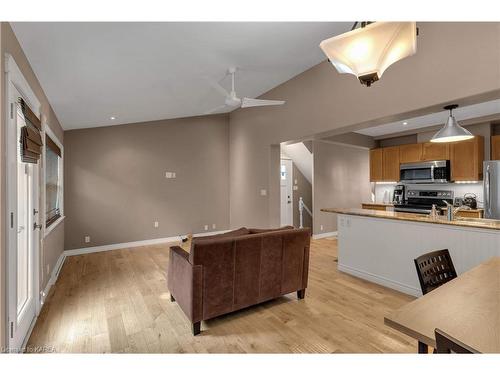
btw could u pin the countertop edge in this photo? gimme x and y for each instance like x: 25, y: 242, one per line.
x: 410, y: 217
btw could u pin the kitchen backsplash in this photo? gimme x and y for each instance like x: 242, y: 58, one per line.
x: 383, y: 191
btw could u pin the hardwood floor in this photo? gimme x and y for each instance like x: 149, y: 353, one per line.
x: 117, y: 301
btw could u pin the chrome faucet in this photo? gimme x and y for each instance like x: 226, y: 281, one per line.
x: 451, y: 211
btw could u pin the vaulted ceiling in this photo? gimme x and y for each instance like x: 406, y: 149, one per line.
x: 149, y: 71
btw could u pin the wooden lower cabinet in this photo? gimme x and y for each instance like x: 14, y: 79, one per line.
x: 475, y: 214
x: 374, y: 206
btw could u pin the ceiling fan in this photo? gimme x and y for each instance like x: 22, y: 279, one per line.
x: 232, y: 101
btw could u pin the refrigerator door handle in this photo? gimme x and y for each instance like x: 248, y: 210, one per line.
x: 487, y: 191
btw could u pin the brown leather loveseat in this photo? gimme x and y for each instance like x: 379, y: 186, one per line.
x: 234, y: 270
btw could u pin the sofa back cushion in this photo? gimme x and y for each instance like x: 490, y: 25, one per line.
x: 244, y: 270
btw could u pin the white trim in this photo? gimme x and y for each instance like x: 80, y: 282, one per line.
x: 124, y: 245
x: 46, y: 130
x: 17, y: 78
x: 53, y: 277
x: 14, y: 78
x: 407, y: 289
x: 324, y: 235
x: 53, y: 226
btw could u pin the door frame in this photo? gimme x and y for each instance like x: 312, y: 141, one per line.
x: 14, y: 77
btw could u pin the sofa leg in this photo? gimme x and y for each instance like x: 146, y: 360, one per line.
x: 172, y: 299
x: 196, y: 328
x: 301, y: 293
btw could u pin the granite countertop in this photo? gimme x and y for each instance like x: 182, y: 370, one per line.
x: 378, y: 204
x: 404, y: 216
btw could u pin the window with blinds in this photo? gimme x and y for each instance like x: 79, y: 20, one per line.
x: 30, y: 139
x: 53, y: 188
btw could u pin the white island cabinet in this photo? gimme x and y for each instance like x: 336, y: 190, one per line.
x: 381, y: 246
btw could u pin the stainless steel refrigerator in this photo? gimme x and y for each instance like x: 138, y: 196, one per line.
x: 492, y: 189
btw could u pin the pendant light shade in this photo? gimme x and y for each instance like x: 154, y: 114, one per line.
x: 368, y: 51
x: 451, y: 131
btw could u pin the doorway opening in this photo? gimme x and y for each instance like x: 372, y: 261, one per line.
x: 296, y: 185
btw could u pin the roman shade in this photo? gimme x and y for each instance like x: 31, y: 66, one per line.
x: 31, y: 139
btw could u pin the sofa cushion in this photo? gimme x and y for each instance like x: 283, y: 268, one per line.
x: 233, y: 233
x: 257, y: 230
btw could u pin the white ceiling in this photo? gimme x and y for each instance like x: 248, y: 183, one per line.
x: 150, y: 71
x: 461, y: 113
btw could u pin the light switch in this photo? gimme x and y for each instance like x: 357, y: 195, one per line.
x: 263, y: 192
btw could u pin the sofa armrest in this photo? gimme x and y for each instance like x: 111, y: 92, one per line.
x: 180, y: 252
x: 185, y: 283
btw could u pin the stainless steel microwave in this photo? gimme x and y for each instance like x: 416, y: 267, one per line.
x: 428, y: 172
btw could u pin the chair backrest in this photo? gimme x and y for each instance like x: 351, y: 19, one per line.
x: 445, y: 344
x: 247, y: 269
x: 434, y: 269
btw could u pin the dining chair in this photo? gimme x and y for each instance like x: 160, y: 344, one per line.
x: 445, y: 344
x: 434, y: 269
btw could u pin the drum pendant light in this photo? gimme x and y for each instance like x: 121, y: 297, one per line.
x: 368, y: 51
x: 451, y: 131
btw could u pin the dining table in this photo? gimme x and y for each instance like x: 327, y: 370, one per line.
x: 467, y: 308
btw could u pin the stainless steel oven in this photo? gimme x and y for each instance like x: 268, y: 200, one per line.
x: 427, y: 172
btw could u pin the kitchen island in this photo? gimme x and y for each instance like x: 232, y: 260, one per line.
x: 380, y: 246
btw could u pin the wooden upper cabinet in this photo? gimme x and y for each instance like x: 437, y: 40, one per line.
x: 495, y: 147
x: 376, y: 164
x: 435, y: 151
x: 466, y: 158
x: 410, y: 153
x: 390, y: 165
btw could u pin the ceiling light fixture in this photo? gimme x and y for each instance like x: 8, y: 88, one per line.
x: 369, y: 50
x: 405, y: 122
x: 451, y: 131
x: 112, y: 118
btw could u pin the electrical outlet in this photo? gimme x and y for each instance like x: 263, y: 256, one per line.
x: 206, y: 226
x: 321, y: 228
x: 295, y: 187
x: 156, y: 224
x: 87, y: 239
x: 263, y: 192
x: 214, y: 226
x: 173, y: 174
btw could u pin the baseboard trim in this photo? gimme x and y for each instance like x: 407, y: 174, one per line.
x: 406, y: 289
x: 324, y: 235
x: 116, y: 246
x: 53, y: 278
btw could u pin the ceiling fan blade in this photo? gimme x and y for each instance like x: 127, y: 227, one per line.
x: 216, y: 109
x: 217, y: 86
x: 249, y: 102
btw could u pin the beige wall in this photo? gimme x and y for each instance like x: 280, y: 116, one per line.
x: 115, y: 185
x: 52, y: 246
x: 449, y: 66
x: 341, y: 179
